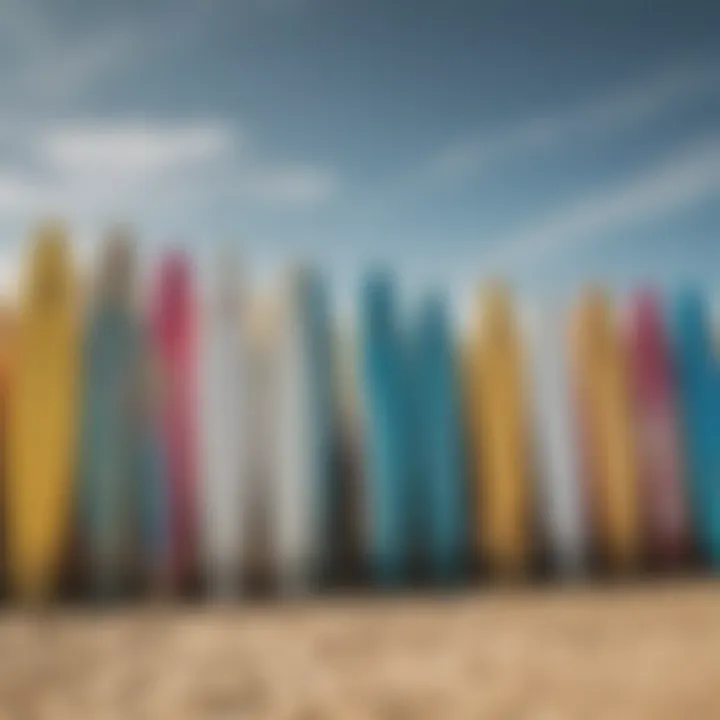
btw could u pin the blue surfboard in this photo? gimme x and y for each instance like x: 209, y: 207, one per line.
x: 151, y: 493
x: 438, y: 441
x: 699, y: 385
x: 384, y: 434
x: 110, y: 439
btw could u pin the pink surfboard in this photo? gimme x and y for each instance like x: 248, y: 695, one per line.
x: 174, y: 328
x: 663, y: 505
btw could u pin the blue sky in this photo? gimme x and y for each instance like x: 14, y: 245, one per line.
x: 549, y: 142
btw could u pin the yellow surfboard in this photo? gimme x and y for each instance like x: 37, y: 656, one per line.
x: 603, y: 397
x: 499, y: 442
x: 42, y: 420
x: 7, y: 336
x: 7, y: 345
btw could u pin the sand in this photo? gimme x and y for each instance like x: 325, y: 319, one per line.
x: 541, y: 654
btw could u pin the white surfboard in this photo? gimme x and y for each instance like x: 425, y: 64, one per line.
x: 298, y: 502
x: 263, y: 332
x: 559, y: 490
x: 349, y: 524
x: 223, y: 428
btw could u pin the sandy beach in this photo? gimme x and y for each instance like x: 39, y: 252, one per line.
x: 539, y: 654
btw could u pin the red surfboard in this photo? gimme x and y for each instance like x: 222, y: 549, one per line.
x: 660, y: 466
x: 174, y: 322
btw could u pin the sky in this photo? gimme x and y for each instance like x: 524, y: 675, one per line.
x: 549, y: 142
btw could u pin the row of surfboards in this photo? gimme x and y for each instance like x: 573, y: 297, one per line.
x: 185, y: 440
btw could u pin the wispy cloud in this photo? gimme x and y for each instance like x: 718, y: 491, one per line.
x: 46, y: 59
x: 290, y: 185
x: 619, y: 109
x: 95, y: 168
x: 50, y: 68
x: 687, y: 177
x: 16, y: 194
x: 133, y: 148
x: 51, y: 62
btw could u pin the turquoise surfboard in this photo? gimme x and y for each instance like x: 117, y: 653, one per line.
x: 110, y: 436
x: 152, y: 496
x: 384, y: 434
x: 699, y: 385
x: 440, y: 464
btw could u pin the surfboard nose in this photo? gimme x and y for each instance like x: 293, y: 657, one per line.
x: 49, y: 266
x: 117, y: 265
x: 175, y: 276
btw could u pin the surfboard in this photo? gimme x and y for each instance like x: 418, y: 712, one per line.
x: 174, y: 329
x: 7, y: 347
x: 264, y: 343
x: 500, y: 439
x: 321, y: 389
x: 301, y: 503
x: 439, y: 445
x: 656, y: 419
x: 603, y: 396
x: 152, y: 494
x: 293, y: 516
x: 8, y: 322
x: 347, y: 525
x: 699, y: 384
x: 42, y: 414
x: 384, y: 433
x: 109, y: 437
x: 559, y: 489
x: 223, y: 368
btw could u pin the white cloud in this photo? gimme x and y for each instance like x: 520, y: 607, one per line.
x: 16, y: 193
x: 618, y: 110
x: 687, y: 177
x: 92, y: 170
x: 293, y: 186
x: 50, y: 67
x: 117, y: 162
x: 134, y: 149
